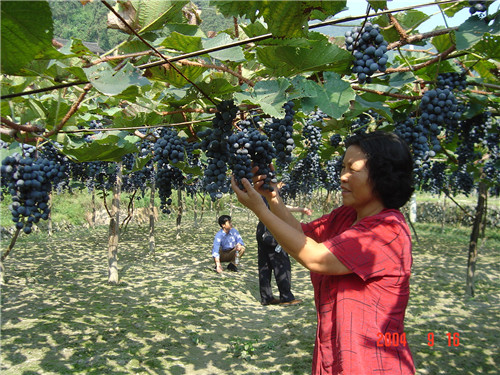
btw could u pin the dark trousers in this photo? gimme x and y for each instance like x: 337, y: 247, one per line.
x: 269, y: 261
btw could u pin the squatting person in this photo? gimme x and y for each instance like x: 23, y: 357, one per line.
x: 227, y: 242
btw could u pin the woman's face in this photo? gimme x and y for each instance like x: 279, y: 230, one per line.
x: 357, y: 191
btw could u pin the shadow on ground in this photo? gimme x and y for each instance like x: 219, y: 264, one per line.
x: 171, y: 313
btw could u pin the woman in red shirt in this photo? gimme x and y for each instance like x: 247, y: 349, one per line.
x: 359, y: 256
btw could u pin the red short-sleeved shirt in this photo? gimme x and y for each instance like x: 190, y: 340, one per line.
x: 355, y: 310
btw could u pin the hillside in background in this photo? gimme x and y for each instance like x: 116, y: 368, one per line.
x: 88, y: 23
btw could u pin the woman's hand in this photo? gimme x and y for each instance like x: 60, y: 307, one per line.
x: 259, y: 179
x: 249, y: 197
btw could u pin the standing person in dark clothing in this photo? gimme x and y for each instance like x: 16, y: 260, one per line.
x: 272, y: 258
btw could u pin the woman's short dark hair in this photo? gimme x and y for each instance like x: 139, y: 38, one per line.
x: 223, y: 219
x: 390, y: 166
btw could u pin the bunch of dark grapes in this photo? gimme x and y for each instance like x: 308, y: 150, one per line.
x: 431, y: 177
x: 93, y: 124
x: 280, y: 133
x: 167, y: 179
x: 100, y: 175
x: 360, y: 123
x: 479, y: 137
x: 479, y: 130
x: 461, y: 181
x: 240, y: 160
x: 95, y: 175
x: 452, y: 81
x: 483, y: 129
x: 416, y: 136
x: 492, y: 174
x: 50, y: 151
x: 330, y: 177
x: 169, y: 147
x: 312, y: 135
x: 369, y: 49
x: 192, y: 183
x: 306, y: 174
x: 138, y: 179
x: 335, y: 140
x: 29, y: 182
x: 251, y: 148
x: 246, y: 124
x: 214, y: 142
x: 304, y: 178
x: 477, y: 6
x: 438, y: 108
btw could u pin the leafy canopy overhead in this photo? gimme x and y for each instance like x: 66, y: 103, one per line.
x: 173, y: 72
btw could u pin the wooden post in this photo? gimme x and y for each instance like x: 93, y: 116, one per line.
x: 6, y: 254
x: 152, y: 245
x: 49, y: 219
x: 474, y: 237
x: 179, y: 213
x: 113, y: 236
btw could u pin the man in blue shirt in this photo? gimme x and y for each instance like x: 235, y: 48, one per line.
x: 227, y: 242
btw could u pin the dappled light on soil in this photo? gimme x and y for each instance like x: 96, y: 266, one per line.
x: 172, y: 314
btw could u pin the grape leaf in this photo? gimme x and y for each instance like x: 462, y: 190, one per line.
x: 362, y: 105
x: 228, y: 54
x: 269, y: 95
x: 398, y: 80
x: 106, y: 146
x: 285, y: 19
x: 111, y: 82
x: 411, y: 18
x: 489, y: 46
x: 26, y: 33
x: 153, y: 14
x: 472, y: 31
x: 442, y: 42
x: 333, y: 97
x: 376, y: 4
x: 170, y: 75
x: 249, y: 9
x: 217, y: 87
x: 181, y: 42
x: 318, y: 55
x: 302, y: 88
x: 121, y: 120
x: 451, y: 9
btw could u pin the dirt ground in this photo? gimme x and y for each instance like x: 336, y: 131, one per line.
x: 172, y: 314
